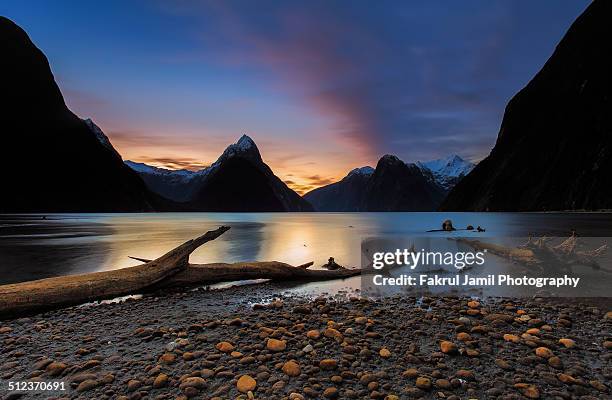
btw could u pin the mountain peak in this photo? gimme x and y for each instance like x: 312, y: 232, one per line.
x: 389, y: 158
x: 367, y: 170
x: 446, y: 171
x: 244, y: 147
x: 454, y: 158
x: 245, y: 142
x: 451, y: 166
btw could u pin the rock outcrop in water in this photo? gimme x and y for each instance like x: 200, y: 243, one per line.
x: 554, y: 148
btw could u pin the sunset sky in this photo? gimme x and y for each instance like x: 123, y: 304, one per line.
x: 321, y: 86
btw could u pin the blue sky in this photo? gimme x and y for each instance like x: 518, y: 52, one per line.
x: 322, y: 86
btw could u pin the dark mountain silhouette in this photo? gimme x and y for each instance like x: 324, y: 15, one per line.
x: 554, y: 148
x: 392, y: 186
x: 172, y: 184
x: 238, y: 181
x: 51, y: 160
x: 345, y: 195
x: 397, y: 186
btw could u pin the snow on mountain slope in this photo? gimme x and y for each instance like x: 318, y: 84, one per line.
x: 453, y: 166
x: 143, y: 168
x: 447, y: 171
x: 245, y: 146
x: 238, y: 181
x: 95, y: 129
x: 365, y: 171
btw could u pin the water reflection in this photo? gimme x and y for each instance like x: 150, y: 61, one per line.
x: 32, y: 247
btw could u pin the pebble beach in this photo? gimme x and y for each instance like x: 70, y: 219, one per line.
x: 228, y: 344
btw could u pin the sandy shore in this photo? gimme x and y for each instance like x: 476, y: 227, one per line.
x: 227, y: 345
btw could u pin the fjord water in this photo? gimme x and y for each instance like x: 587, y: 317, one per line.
x: 40, y: 246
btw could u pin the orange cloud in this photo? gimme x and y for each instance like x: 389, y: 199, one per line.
x: 307, y: 183
x: 188, y: 163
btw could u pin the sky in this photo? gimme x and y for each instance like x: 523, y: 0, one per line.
x: 321, y: 86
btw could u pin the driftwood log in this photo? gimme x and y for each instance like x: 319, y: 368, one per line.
x: 42, y: 294
x: 198, y: 274
x: 538, y: 253
x: 170, y: 270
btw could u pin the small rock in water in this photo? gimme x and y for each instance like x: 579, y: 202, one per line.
x: 447, y: 225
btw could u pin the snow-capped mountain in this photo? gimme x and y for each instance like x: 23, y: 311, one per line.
x: 364, y: 171
x: 143, y: 168
x: 393, y: 186
x: 446, y: 172
x: 172, y: 184
x: 400, y: 186
x: 241, y: 181
x: 238, y: 181
x: 450, y: 166
x: 244, y: 147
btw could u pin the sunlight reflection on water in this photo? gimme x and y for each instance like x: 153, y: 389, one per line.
x: 32, y: 247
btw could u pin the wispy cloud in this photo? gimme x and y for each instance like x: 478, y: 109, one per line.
x: 381, y: 74
x: 327, y: 85
x: 172, y: 163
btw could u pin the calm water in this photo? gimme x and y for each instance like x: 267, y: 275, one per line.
x: 33, y: 247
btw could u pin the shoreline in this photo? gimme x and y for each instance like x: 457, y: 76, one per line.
x: 166, y: 346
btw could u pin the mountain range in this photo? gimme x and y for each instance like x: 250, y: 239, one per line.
x: 238, y: 181
x: 553, y: 150
x: 408, y: 187
x: 53, y: 161
x: 392, y: 186
x: 554, y: 147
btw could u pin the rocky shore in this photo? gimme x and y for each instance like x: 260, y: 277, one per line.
x: 229, y: 345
